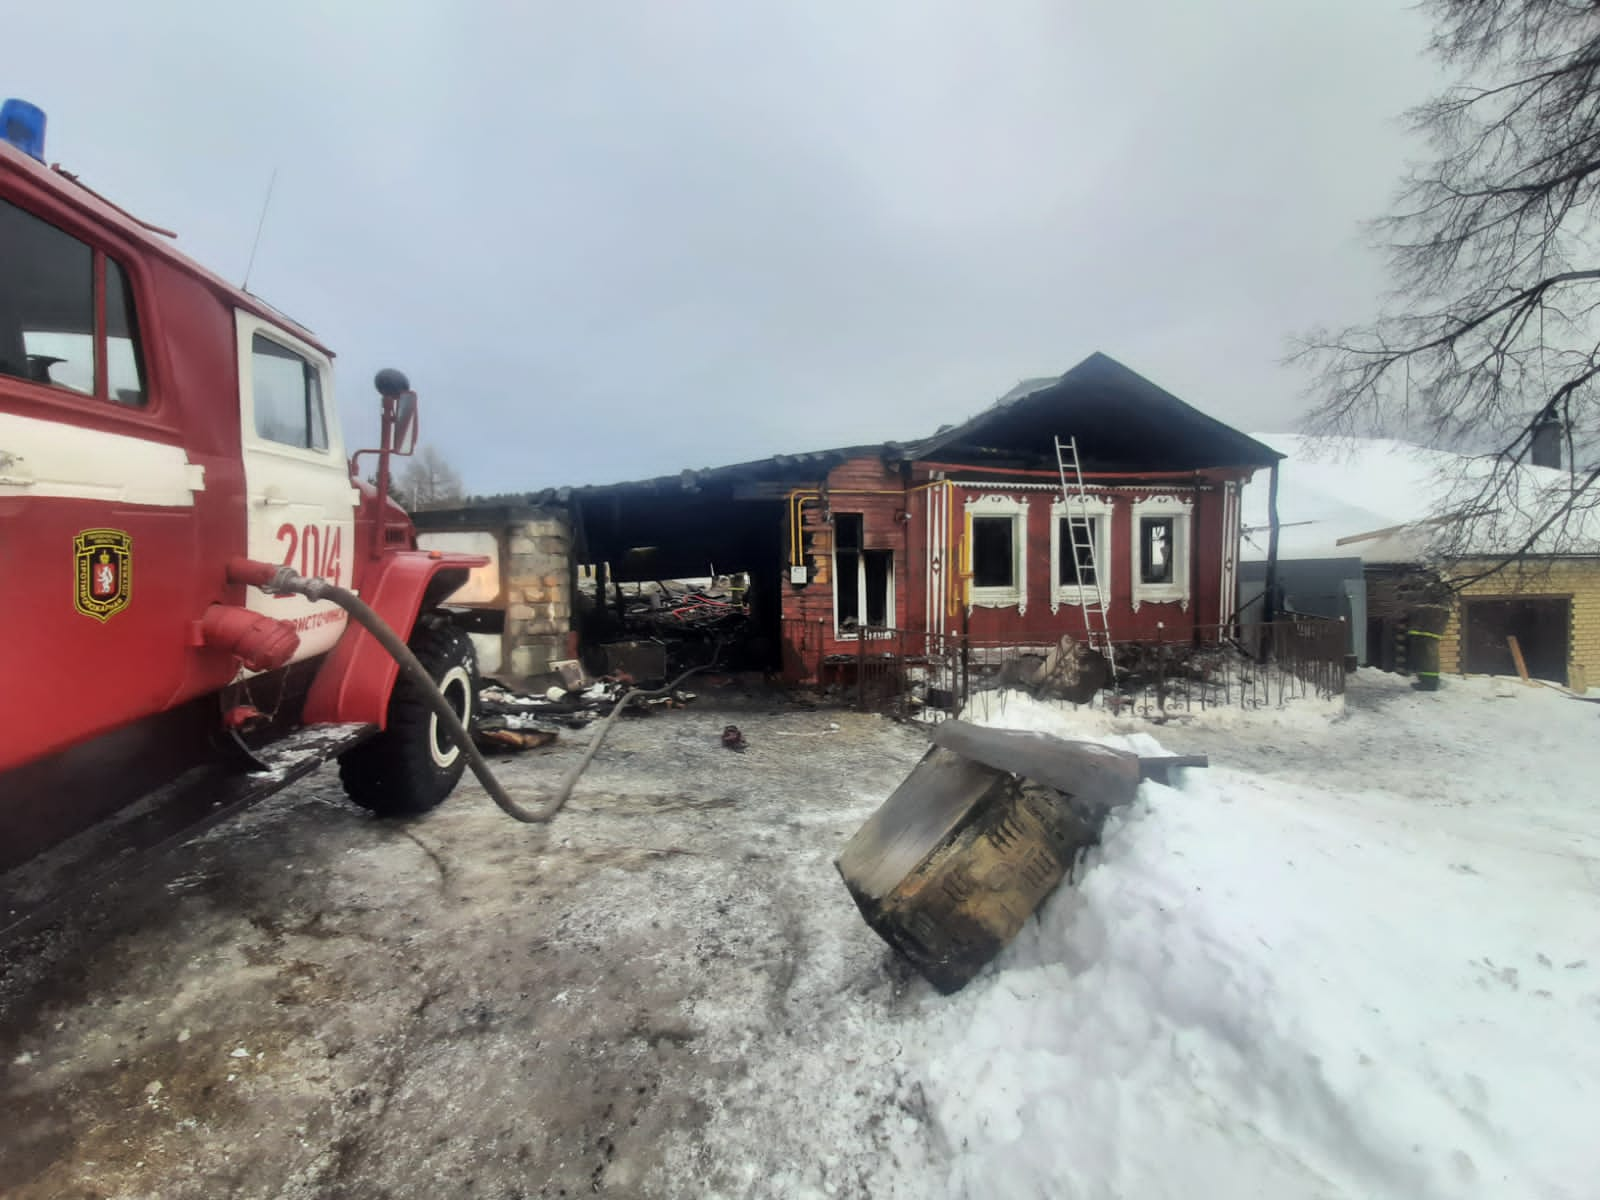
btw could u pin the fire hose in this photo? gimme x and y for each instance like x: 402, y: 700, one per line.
x: 284, y: 581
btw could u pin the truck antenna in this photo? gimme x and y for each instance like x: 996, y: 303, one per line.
x: 267, y: 201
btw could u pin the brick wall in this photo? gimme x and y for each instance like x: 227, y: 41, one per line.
x: 1578, y: 578
x: 529, y: 581
x: 536, y: 569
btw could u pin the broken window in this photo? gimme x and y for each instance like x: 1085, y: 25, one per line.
x: 864, y: 579
x: 1080, y: 537
x: 995, y: 562
x: 994, y: 556
x: 1160, y: 568
x: 877, y: 578
x: 847, y: 531
x: 846, y: 566
x: 1080, y: 549
x: 1156, y: 549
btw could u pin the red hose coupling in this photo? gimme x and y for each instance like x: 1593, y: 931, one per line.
x: 242, y: 716
x: 261, y: 642
x: 251, y: 573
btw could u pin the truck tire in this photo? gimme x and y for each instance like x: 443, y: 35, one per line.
x: 413, y: 765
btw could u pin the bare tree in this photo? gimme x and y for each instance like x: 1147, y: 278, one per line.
x: 427, y: 480
x: 1495, y: 256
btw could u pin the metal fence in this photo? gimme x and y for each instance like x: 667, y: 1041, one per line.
x: 931, y: 676
x: 900, y: 671
x: 1233, y: 666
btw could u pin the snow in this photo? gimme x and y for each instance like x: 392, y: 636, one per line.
x: 1357, y: 957
x: 1333, y: 489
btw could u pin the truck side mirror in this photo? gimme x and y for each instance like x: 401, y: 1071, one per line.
x: 405, y: 423
x: 394, y: 387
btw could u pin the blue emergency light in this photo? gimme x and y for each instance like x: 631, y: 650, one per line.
x: 22, y: 124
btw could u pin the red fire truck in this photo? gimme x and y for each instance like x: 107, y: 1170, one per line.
x: 165, y: 439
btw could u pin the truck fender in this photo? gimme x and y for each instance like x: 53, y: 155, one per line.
x: 356, y: 678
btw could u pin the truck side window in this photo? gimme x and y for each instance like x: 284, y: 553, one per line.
x: 124, y: 363
x: 288, y: 396
x: 46, y: 303
x: 47, y: 312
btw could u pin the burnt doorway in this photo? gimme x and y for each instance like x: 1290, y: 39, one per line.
x: 1541, y: 625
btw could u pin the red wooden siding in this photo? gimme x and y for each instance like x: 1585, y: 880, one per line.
x: 895, y: 516
x: 864, y: 486
x: 1036, y: 623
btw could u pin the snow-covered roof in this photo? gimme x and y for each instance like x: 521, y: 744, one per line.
x: 1385, y: 501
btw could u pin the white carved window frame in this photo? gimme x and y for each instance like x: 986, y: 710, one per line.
x: 1099, y: 512
x: 1015, y: 596
x: 1181, y: 510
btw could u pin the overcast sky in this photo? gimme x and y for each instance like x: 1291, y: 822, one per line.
x: 614, y: 240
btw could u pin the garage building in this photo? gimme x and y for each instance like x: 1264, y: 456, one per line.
x: 1370, y: 529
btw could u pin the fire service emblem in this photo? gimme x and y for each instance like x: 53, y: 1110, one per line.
x: 104, y: 559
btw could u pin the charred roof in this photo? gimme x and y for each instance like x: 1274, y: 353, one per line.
x: 1122, y: 422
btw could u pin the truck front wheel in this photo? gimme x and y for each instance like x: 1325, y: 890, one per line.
x: 413, y: 764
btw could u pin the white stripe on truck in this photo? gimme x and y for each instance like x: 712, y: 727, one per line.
x: 49, y: 459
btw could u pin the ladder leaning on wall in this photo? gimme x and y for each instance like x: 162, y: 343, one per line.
x: 1081, y: 525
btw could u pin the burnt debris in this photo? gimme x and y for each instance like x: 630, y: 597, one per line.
x: 978, y: 836
x: 510, y: 721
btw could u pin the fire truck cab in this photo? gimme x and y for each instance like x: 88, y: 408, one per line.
x: 157, y: 422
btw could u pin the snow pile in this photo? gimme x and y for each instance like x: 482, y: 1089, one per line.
x: 1010, y: 709
x: 1336, y: 976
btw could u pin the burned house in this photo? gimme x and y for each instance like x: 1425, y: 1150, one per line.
x: 969, y: 531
